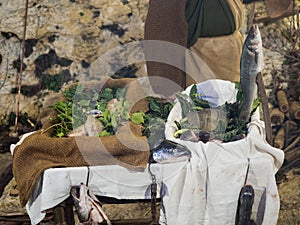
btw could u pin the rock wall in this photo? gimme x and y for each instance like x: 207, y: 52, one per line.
x: 63, y: 39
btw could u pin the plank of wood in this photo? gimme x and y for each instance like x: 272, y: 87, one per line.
x: 267, y: 18
x: 130, y: 222
x: 63, y: 213
x: 265, y: 109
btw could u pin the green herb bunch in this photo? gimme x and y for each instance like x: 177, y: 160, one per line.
x: 71, y: 113
x: 226, y: 130
x: 155, y: 120
x: 79, y: 99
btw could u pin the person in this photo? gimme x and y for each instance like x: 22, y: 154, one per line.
x: 210, y: 29
x: 214, y: 34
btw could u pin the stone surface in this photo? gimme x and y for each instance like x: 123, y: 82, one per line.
x: 9, y: 201
x: 63, y: 40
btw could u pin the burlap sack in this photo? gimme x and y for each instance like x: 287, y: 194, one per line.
x: 41, y: 151
x: 221, y: 54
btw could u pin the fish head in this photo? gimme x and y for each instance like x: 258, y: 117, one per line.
x: 253, y: 49
x: 95, y: 113
x: 169, y: 151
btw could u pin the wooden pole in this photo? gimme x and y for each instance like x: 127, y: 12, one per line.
x: 277, y: 117
x: 265, y: 108
x: 21, y: 66
x: 295, y: 110
x: 282, y: 101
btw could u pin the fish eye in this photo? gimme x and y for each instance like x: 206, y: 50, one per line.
x: 175, y: 150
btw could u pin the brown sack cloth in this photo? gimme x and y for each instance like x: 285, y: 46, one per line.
x: 166, y: 22
x: 40, y: 151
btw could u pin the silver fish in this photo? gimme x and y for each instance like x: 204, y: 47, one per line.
x: 91, y: 127
x: 111, y: 105
x: 196, y: 136
x: 81, y: 202
x: 168, y: 151
x: 97, y: 214
x: 251, y: 65
x: 189, y: 135
x: 87, y: 206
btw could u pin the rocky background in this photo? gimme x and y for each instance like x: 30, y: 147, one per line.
x: 66, y: 41
x: 63, y: 39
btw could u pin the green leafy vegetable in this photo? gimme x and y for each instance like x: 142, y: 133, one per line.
x: 79, y: 99
x: 155, y: 120
x: 70, y: 113
x: 231, y: 129
x: 138, y: 118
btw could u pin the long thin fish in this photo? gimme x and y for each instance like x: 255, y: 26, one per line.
x: 251, y: 65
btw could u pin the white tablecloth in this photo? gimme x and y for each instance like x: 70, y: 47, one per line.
x: 203, y: 190
x: 115, y: 181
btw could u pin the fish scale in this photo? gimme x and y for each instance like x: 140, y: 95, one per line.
x: 251, y: 65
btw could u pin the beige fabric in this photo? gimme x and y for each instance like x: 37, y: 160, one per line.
x: 221, y: 54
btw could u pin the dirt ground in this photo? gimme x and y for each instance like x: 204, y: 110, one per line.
x: 289, y: 193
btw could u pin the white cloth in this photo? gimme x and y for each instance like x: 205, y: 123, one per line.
x: 208, y: 190
x: 54, y: 185
x: 203, y: 190
x: 216, y: 92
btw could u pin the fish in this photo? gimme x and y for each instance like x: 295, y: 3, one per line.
x: 91, y: 127
x: 97, y: 213
x: 81, y: 202
x: 244, y: 210
x: 168, y: 151
x: 111, y: 105
x: 87, y: 206
x: 251, y: 64
x: 78, y: 131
